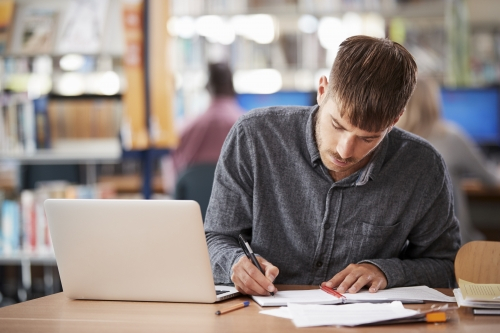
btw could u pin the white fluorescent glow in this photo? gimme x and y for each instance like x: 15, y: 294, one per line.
x: 216, y: 29
x: 261, y: 28
x: 374, y: 25
x: 240, y: 24
x: 71, y: 84
x: 109, y: 83
x: 71, y: 62
x: 308, y: 24
x: 185, y: 27
x: 259, y: 81
x: 330, y: 33
x: 352, y: 24
x: 38, y: 85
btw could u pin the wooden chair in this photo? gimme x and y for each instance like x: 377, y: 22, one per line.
x: 478, y: 262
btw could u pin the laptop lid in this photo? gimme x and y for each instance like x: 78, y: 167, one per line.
x: 136, y: 250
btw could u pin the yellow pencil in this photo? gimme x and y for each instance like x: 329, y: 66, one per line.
x: 234, y: 307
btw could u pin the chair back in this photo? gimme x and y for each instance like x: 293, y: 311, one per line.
x: 195, y: 183
x: 478, y: 262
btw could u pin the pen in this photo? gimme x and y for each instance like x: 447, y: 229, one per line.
x: 232, y: 308
x: 250, y: 255
x: 331, y: 291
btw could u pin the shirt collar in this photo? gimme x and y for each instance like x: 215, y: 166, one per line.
x: 359, y: 178
x: 312, y: 147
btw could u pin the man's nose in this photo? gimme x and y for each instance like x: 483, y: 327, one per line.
x: 345, y: 147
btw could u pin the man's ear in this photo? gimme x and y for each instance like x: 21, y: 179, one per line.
x: 397, y: 118
x: 322, y: 89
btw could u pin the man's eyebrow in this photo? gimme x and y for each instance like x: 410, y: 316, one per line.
x: 359, y: 136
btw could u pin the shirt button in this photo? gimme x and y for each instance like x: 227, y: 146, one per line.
x: 319, y: 264
x: 327, y: 226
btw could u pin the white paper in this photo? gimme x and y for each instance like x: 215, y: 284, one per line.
x: 307, y: 315
x: 418, y: 293
x: 317, y: 296
x: 473, y: 304
x: 281, y: 312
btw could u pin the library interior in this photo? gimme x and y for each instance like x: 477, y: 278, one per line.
x: 133, y: 100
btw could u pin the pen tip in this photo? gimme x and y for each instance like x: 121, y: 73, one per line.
x: 217, y: 313
x: 272, y: 294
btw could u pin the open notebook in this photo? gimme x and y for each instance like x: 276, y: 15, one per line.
x: 416, y: 294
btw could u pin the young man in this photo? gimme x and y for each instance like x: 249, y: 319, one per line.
x: 333, y: 193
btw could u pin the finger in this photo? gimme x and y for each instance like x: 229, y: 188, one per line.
x: 260, y: 278
x: 376, y: 285
x: 337, y: 279
x: 349, y: 280
x: 362, y: 281
x: 241, y: 287
x: 255, y: 280
x: 241, y: 279
x: 271, y: 271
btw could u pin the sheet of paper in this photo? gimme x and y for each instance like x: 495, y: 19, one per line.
x: 474, y: 304
x: 315, y: 296
x: 417, y: 293
x: 318, y: 296
x: 479, y: 292
x: 307, y: 315
x: 281, y: 312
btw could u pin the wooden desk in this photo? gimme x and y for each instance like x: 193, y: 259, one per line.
x: 56, y: 313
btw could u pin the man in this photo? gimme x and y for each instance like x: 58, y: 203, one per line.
x: 201, y: 140
x: 333, y: 193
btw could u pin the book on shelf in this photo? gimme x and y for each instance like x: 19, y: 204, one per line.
x: 10, y: 227
x: 23, y: 225
x: 6, y: 11
x: 17, y: 124
x: 83, y: 27
x: 83, y: 118
x: 38, y: 30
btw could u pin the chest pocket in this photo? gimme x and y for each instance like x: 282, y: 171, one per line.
x: 370, y: 241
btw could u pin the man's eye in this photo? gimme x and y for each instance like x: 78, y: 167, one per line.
x: 367, y: 140
x: 336, y: 127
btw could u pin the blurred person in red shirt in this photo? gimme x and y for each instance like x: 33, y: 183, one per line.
x: 201, y: 140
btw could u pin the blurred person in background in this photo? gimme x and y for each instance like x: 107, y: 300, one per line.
x: 192, y: 164
x: 423, y: 117
x: 201, y: 141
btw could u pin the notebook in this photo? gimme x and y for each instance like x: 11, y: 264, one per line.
x: 417, y: 294
x: 132, y: 250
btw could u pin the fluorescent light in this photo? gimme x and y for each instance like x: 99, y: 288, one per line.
x: 109, y: 83
x: 185, y: 27
x: 72, y: 62
x: 262, y: 28
x: 374, y: 25
x: 215, y: 29
x: 330, y: 33
x: 308, y: 24
x: 71, y: 84
x: 352, y: 24
x: 258, y: 81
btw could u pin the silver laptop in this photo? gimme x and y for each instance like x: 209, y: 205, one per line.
x: 132, y: 250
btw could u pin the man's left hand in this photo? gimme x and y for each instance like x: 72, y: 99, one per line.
x: 356, y: 276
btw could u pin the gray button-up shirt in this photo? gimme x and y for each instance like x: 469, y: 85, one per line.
x: 271, y: 186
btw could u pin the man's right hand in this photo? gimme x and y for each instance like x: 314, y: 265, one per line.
x: 249, y: 280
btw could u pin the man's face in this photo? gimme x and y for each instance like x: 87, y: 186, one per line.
x: 344, y: 149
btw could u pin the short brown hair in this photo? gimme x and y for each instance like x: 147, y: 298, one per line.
x: 371, y: 80
x: 220, y: 79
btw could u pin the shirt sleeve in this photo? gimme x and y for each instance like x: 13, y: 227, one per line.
x: 229, y: 212
x: 433, y: 244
